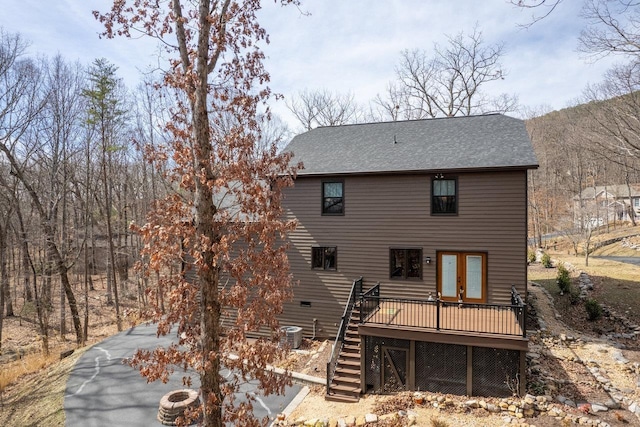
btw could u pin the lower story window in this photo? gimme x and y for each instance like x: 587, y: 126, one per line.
x: 324, y: 258
x: 405, y: 263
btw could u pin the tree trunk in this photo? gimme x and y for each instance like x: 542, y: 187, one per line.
x: 3, y: 273
x: 62, y: 270
x: 111, y: 275
x: 209, y: 275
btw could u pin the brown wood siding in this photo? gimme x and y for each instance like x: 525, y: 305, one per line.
x: 384, y: 211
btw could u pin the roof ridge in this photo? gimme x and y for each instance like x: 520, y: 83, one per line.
x: 413, y: 120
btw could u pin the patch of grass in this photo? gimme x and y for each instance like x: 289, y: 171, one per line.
x: 27, y: 364
x: 617, y: 284
x: 37, y: 398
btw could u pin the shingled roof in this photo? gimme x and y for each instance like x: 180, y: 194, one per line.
x: 453, y: 143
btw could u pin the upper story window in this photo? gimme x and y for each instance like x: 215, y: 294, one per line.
x: 333, y: 198
x: 444, y: 198
x: 636, y: 203
x: 324, y: 258
x: 405, y: 263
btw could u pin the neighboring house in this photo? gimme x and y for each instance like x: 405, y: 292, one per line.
x: 432, y: 214
x: 598, y: 205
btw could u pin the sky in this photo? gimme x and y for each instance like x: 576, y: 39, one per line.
x: 346, y: 46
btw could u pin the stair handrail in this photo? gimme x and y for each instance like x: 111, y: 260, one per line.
x: 356, y: 291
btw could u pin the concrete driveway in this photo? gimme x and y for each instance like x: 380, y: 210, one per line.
x: 101, y: 391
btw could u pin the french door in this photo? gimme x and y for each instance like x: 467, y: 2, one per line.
x: 462, y: 276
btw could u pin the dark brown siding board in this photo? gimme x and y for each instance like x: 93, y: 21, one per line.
x: 383, y: 211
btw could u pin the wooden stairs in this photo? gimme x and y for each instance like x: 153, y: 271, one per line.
x: 345, y: 385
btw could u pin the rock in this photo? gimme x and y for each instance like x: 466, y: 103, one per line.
x: 617, y: 355
x: 333, y: 423
x: 371, y: 418
x: 570, y: 402
x: 598, y: 407
x: 472, y: 404
x: 311, y: 422
x: 350, y: 420
x: 494, y: 409
x: 65, y: 354
x: 388, y: 417
x: 342, y: 422
x: 412, y: 419
x: 555, y: 412
x: 360, y: 421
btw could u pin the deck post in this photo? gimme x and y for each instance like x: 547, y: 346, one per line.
x: 438, y: 314
x: 469, y: 370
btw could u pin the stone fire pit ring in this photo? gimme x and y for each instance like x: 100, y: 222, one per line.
x: 174, y: 404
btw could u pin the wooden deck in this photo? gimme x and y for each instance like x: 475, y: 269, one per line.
x: 472, y: 318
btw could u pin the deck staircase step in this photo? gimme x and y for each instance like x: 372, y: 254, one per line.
x: 345, y: 389
x: 354, y: 363
x: 350, y: 348
x: 344, y: 380
x: 341, y: 398
x: 347, y: 371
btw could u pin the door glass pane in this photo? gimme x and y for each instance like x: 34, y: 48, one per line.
x: 449, y: 275
x: 474, y: 277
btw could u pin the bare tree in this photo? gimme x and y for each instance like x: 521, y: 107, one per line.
x: 544, y: 7
x: 613, y: 27
x: 450, y: 82
x: 22, y: 99
x: 324, y: 108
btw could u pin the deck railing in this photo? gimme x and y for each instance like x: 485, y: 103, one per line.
x: 519, y: 309
x: 369, y: 302
x: 354, y: 297
x: 446, y: 316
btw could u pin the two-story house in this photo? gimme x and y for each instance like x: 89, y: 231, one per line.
x: 604, y: 204
x: 432, y: 215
